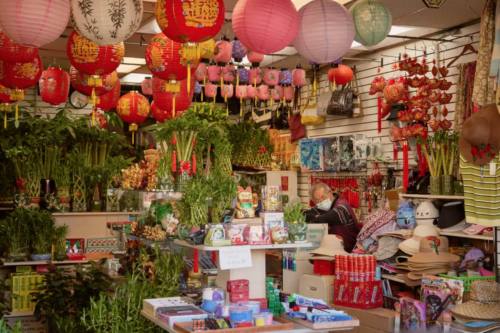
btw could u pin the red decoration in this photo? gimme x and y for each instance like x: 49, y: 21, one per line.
x: 229, y: 73
x: 110, y: 100
x: 251, y: 92
x: 133, y: 108
x: 54, y: 86
x: 5, y: 94
x: 288, y: 93
x: 201, y: 72
x: 147, y: 86
x: 210, y: 90
x: 165, y: 100
x: 277, y: 93
x: 405, y: 167
x: 162, y: 115
x: 271, y: 77
x: 223, y: 52
x: 11, y: 51
x: 93, y: 59
x: 190, y: 20
x: 263, y: 92
x: 254, y: 76
x: 378, y: 84
x: 80, y: 81
x: 255, y: 58
x: 394, y: 91
x: 341, y: 75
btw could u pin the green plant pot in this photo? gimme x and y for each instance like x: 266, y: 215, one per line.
x: 448, y: 185
x: 459, y: 187
x: 17, y: 257
x: 79, y: 207
x: 183, y: 231
x: 181, y: 179
x: 435, y: 186
x: 297, y: 232
x: 96, y: 205
x: 59, y: 256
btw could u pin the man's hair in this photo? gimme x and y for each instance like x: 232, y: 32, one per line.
x: 317, y: 186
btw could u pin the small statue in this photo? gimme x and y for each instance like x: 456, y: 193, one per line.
x: 275, y: 162
x: 194, y: 279
x: 279, y: 235
x: 247, y: 203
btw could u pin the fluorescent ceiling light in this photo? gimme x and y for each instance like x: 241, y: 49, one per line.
x: 134, y: 61
x: 134, y: 78
x: 399, y: 29
x: 300, y: 3
x: 127, y: 68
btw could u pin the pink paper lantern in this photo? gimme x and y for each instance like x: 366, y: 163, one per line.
x: 299, y: 77
x: 265, y: 26
x: 227, y: 91
x: 255, y: 58
x: 214, y: 73
x: 289, y: 94
x: 263, y: 92
x: 34, y: 23
x: 223, y: 52
x: 210, y: 90
x: 200, y: 72
x: 326, y: 31
x: 251, y: 92
x: 255, y: 76
x: 147, y: 86
x: 241, y: 92
x: 271, y: 76
x: 228, y: 73
x: 277, y: 93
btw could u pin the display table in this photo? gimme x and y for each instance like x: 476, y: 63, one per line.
x: 256, y: 274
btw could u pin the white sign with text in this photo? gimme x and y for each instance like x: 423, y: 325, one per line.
x: 231, y: 257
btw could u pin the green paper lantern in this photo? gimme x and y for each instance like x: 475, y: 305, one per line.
x: 372, y: 21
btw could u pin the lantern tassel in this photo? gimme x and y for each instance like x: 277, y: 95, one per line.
x: 255, y: 87
x: 237, y: 79
x: 17, y: 110
x: 227, y: 110
x: 93, y: 116
x: 173, y: 106
x: 225, y: 97
x: 405, y: 167
x: 379, y: 113
x: 194, y: 161
x: 195, y: 261
x: 174, y: 161
x: 5, y: 120
x: 194, y: 107
x: 272, y: 101
x: 189, y: 78
x: 221, y: 81
x: 334, y: 84
x: 204, y: 82
x: 314, y: 85
x: 241, y: 107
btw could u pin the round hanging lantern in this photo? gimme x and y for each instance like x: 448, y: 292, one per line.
x: 227, y: 91
x: 394, y: 91
x: 255, y: 58
x: 373, y: 22
x: 277, y: 93
x: 5, y: 95
x: 223, y: 52
x: 110, y: 100
x: 285, y: 77
x: 165, y: 60
x: 265, y: 26
x: 239, y: 50
x: 263, y: 92
x: 80, y: 81
x: 172, y: 102
x: 197, y: 88
x: 210, y: 90
x: 241, y: 92
x: 147, y: 86
x: 93, y: 59
x: 271, y: 77
x: 20, y: 76
x: 133, y: 108
x: 289, y: 94
x: 200, y: 72
x: 162, y: 115
x: 54, y: 86
x: 341, y: 75
x: 214, y: 73
x: 251, y: 92
x: 255, y: 76
x: 326, y: 31
x: 228, y: 73
x: 299, y: 77
x: 243, y: 74
x: 111, y: 22
x: 34, y: 22
x: 207, y: 50
x: 11, y: 51
x: 190, y: 20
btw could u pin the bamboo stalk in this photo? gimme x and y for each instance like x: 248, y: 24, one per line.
x: 192, y: 137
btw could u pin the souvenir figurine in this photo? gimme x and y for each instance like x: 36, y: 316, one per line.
x: 406, y: 215
x: 247, y: 203
x: 279, y: 235
x: 236, y: 234
x: 427, y: 214
x: 216, y: 236
x: 194, y: 279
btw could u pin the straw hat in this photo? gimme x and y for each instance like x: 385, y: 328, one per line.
x: 331, y: 245
x: 387, y: 247
x: 480, y: 129
x: 484, y: 303
x: 411, y: 245
x: 433, y: 250
x: 403, y: 234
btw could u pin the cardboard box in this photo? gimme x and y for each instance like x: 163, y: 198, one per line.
x: 28, y: 324
x: 379, y: 319
x: 150, y: 305
x: 23, y: 269
x: 273, y: 219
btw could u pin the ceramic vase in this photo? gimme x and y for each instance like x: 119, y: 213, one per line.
x: 435, y: 186
x: 181, y: 179
x: 41, y: 257
x: 298, y: 232
x: 183, y: 231
x: 448, y: 185
x: 459, y: 187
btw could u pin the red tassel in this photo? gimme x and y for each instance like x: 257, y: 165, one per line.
x: 214, y: 256
x: 379, y: 113
x: 195, y: 261
x: 395, y: 152
x: 420, y: 162
x: 405, y: 167
x: 174, y: 162
x: 194, y: 162
x: 370, y: 204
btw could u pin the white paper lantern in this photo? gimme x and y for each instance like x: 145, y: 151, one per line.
x: 326, y: 31
x: 106, y: 22
x: 34, y: 23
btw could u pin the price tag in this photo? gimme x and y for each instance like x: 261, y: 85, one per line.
x: 493, y: 168
x: 231, y: 257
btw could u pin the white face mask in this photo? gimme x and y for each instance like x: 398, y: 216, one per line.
x: 325, y: 205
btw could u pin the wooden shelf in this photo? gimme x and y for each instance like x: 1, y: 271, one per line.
x: 428, y: 196
x: 19, y: 314
x: 33, y: 263
x: 97, y: 213
x: 463, y: 235
x: 252, y: 247
x: 392, y: 277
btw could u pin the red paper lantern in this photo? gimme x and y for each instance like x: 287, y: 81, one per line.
x: 5, y: 95
x: 341, y: 75
x: 133, y: 108
x: 251, y: 92
x: 147, y: 86
x: 54, y: 86
x: 289, y: 94
x: 241, y: 92
x: 255, y: 58
x: 255, y: 76
x: 277, y: 93
x: 299, y: 77
x: 110, y: 100
x: 172, y: 102
x: 271, y: 76
x: 11, y: 51
x: 223, y: 52
x: 80, y: 81
x: 228, y: 73
x: 227, y: 91
x: 93, y: 59
x: 263, y: 92
x: 200, y: 72
x: 214, y: 73
x: 162, y: 115
x: 210, y: 90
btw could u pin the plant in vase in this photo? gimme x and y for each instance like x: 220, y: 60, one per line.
x: 48, y: 157
x: 193, y: 205
x: 297, y: 226
x: 448, y: 146
x: 33, y: 187
x: 42, y: 230
x: 112, y: 179
x: 96, y: 203
x: 223, y: 193
x: 222, y: 152
x: 62, y: 179
x: 429, y: 147
x: 78, y: 181
x: 60, y: 242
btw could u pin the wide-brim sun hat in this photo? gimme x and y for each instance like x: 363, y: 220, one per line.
x: 433, y: 250
x: 484, y: 302
x: 331, y: 245
x: 411, y: 246
x: 387, y: 247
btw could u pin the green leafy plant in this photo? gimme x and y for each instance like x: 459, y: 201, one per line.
x: 440, y: 152
x: 294, y: 214
x: 193, y: 204
x: 168, y: 272
x: 6, y: 329
x: 16, y: 228
x: 42, y: 230
x: 60, y: 233
x: 223, y: 191
x: 4, y: 304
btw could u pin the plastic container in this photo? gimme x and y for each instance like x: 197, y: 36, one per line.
x: 255, y: 305
x: 210, y: 306
x: 222, y: 310
x: 324, y: 267
x: 271, y: 198
x: 214, y: 294
x: 240, y: 314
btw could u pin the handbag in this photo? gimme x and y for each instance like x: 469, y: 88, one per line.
x: 341, y: 102
x: 263, y: 118
x: 298, y: 131
x: 357, y: 107
x: 322, y: 104
x: 310, y: 115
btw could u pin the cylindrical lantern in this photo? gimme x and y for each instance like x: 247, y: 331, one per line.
x: 239, y: 50
x: 210, y: 90
x: 227, y: 91
x: 214, y: 73
x: 373, y: 22
x: 80, y: 81
x: 341, y: 75
x: 243, y: 74
x: 111, y: 22
x: 289, y: 94
x: 172, y: 102
x: 133, y: 108
x: 54, y: 86
x: 207, y: 50
x: 190, y: 21
x: 241, y: 92
x: 277, y: 93
x: 200, y: 72
x: 251, y: 92
x: 223, y: 52
x: 110, y: 100
x: 263, y: 92
x: 34, y: 22
x: 228, y: 73
x: 11, y: 51
x: 326, y: 31
x: 285, y: 77
x: 255, y: 58
x: 299, y: 77
x: 162, y: 115
x: 255, y: 76
x: 265, y: 26
x: 271, y: 77
x: 147, y: 86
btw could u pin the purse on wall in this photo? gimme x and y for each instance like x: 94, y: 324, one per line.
x: 298, y: 131
x: 310, y: 115
x: 357, y: 109
x: 341, y: 102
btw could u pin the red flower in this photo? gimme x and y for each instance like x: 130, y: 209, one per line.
x: 475, y: 151
x: 431, y: 237
x: 493, y: 155
x: 438, y: 242
x: 488, y: 147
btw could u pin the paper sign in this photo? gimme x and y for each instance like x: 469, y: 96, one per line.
x: 284, y: 183
x: 235, y: 257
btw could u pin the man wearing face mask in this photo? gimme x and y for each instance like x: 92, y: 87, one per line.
x: 336, y: 212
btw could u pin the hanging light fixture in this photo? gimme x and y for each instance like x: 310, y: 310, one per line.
x: 373, y: 22
x: 433, y: 3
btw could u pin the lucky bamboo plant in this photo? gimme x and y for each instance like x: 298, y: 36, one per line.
x: 293, y: 213
x: 42, y: 231
x: 223, y: 191
x: 193, y: 205
x: 440, y: 152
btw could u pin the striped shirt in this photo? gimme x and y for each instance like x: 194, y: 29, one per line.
x: 482, y: 196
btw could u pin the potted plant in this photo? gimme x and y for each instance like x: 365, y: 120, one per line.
x: 62, y: 179
x: 96, y: 203
x: 429, y: 147
x: 297, y: 225
x: 223, y: 191
x: 16, y: 227
x: 77, y: 163
x: 60, y: 242
x: 42, y: 230
x: 222, y: 152
x: 193, y: 205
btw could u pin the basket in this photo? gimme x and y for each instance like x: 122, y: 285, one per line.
x: 467, y: 282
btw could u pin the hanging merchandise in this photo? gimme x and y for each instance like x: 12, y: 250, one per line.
x: 200, y: 73
x: 227, y: 91
x: 11, y: 51
x: 207, y: 50
x: 288, y: 93
x: 255, y: 58
x: 263, y: 92
x: 162, y: 115
x: 251, y: 92
x: 211, y: 90
x: 298, y: 80
x: 106, y: 22
x: 277, y: 93
x: 110, y: 100
x: 241, y: 93
x: 214, y: 73
x: 340, y: 74
x: 394, y: 90
x: 197, y: 88
x: 311, y: 155
x: 80, y: 81
x: 239, y: 50
x: 242, y: 75
x: 326, y: 31
x: 285, y: 77
x: 229, y: 72
x: 6, y: 102
x: 34, y: 23
x: 147, y: 86
x: 133, y: 108
x: 373, y: 22
x: 271, y: 77
x: 255, y: 76
x: 173, y: 102
x: 223, y: 52
x: 54, y: 86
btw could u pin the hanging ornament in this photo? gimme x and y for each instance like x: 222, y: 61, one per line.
x: 239, y: 50
x: 373, y: 22
x: 255, y: 58
x: 147, y: 86
x: 197, y: 88
x: 277, y: 93
x: 255, y: 76
x: 223, y: 52
x: 162, y: 115
x: 266, y: 26
x: 241, y: 93
x: 201, y: 72
x: 271, y: 77
x: 251, y: 92
x: 54, y: 86
x: 229, y: 73
x: 133, y: 108
x: 298, y: 80
x: 394, y: 91
x: 211, y: 91
x: 80, y: 81
x: 285, y: 77
x: 110, y: 100
x: 11, y: 51
x: 173, y: 102
x: 214, y: 73
x: 207, y: 50
x: 341, y: 74
x: 242, y: 75
x: 288, y: 93
x: 263, y: 92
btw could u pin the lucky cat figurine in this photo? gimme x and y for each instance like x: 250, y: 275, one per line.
x: 247, y: 203
x: 194, y: 279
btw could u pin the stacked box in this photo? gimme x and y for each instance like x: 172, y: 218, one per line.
x: 238, y: 290
x: 23, y: 284
x: 273, y: 297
